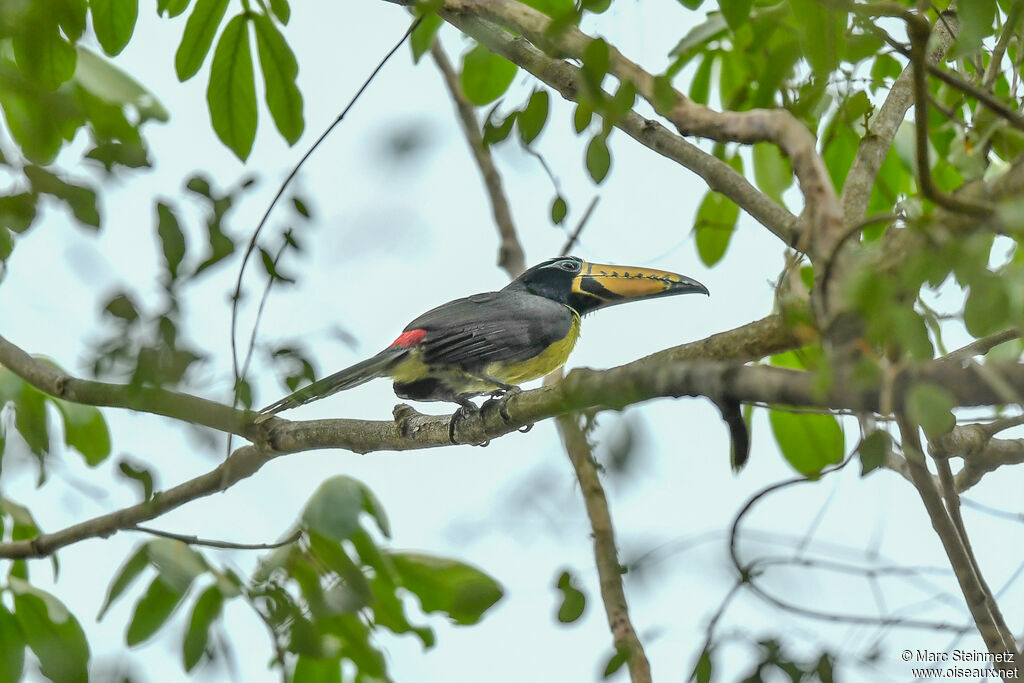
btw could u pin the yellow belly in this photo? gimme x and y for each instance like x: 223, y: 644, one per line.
x: 553, y: 357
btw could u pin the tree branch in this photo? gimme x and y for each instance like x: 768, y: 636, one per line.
x: 566, y: 79
x: 510, y: 251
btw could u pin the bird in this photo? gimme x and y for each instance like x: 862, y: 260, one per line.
x: 490, y: 343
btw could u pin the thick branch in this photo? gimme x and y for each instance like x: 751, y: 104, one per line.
x: 877, y: 142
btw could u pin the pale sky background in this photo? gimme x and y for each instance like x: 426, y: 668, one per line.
x: 392, y: 238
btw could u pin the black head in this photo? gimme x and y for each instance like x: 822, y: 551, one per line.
x: 586, y: 287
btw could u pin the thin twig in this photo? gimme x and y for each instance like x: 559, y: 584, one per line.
x: 996, y: 58
x: 510, y: 251
x: 571, y: 241
x: 228, y: 545
x: 979, y: 347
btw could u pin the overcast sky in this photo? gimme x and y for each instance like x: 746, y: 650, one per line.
x: 394, y: 236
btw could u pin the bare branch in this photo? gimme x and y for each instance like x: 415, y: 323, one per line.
x: 227, y: 545
x: 571, y: 241
x: 510, y: 251
x: 979, y: 347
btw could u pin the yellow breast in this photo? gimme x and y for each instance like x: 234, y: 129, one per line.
x: 551, y: 358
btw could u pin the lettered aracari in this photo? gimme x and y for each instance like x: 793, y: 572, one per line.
x: 490, y: 343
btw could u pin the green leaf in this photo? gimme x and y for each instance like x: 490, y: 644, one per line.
x: 279, y: 71
x: 198, y: 36
x: 70, y: 15
x: 139, y: 474
x: 43, y: 55
x: 282, y: 10
x: 700, y: 87
x: 30, y: 418
x: 231, y: 94
x: 179, y: 565
x: 976, y: 20
x: 714, y: 225
x: 596, y: 61
x: 809, y: 442
x: 85, y: 430
x: 531, y: 120
x: 12, y: 647
x: 462, y: 592
x: 206, y: 610
x: 18, y: 211
x: 485, y: 76
x: 873, y: 451
x: 931, y: 406
x: 80, y: 199
x: 129, y: 571
x: 582, y: 116
x: 735, y: 12
x: 51, y: 631
x: 552, y: 8
x: 152, y: 610
x: 313, y: 670
x: 697, y: 38
x: 691, y: 4
x: 703, y: 669
x: 615, y: 662
x: 334, y: 508
x: 172, y: 238
x: 423, y: 35
x: 114, y: 22
x: 6, y: 247
x: 771, y: 170
x: 171, y: 7
x: 822, y: 33
x: 988, y: 305
x: 558, y: 210
x: 574, y: 602
x: 599, y: 160
x: 104, y: 80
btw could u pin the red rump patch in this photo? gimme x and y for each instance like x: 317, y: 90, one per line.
x: 410, y: 338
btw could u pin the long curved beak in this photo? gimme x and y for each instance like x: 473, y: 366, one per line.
x: 599, y: 285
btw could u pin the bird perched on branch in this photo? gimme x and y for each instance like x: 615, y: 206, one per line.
x: 490, y: 343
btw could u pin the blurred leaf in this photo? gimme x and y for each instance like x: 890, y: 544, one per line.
x: 179, y: 565
x: 976, y: 19
x: 704, y: 668
x: 714, y: 226
x: 873, y: 451
x: 582, y: 116
x: 313, y: 670
x: 42, y: 54
x: 485, y: 76
x: 423, y: 35
x: 282, y: 10
x: 114, y: 22
x: 531, y: 120
x: 142, y: 475
x: 152, y: 611
x: 51, y: 631
x: 735, y: 12
x: 18, y: 211
x: 171, y: 7
x: 573, y: 599
x: 198, y: 36
x: 124, y: 578
x: 700, y: 86
x: 809, y: 442
x: 121, y: 306
x: 85, y: 430
x: 552, y: 8
x: 599, y: 160
x: 931, y: 406
x: 988, y: 306
x: 772, y: 170
x: 112, y: 154
x: 30, y: 418
x: 559, y: 209
x: 697, y: 38
x: 6, y: 247
x: 279, y: 72
x: 462, y: 592
x: 596, y: 61
x: 80, y: 199
x: 12, y: 647
x: 171, y: 238
x: 70, y: 15
x: 334, y: 508
x: 104, y: 80
x: 822, y: 33
x: 615, y: 662
x: 231, y: 94
x: 205, y: 612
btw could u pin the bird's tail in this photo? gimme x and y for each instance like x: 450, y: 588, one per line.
x: 348, y: 378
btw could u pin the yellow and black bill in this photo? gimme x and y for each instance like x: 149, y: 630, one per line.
x: 598, y: 285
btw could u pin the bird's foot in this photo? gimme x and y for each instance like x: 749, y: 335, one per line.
x: 465, y: 410
x: 500, y: 399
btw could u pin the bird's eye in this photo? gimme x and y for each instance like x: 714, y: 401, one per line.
x: 570, y: 266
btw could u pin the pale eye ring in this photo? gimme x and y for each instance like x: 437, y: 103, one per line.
x: 570, y: 266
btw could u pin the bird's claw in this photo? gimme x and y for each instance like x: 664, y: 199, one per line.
x: 459, y: 415
x: 500, y: 399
